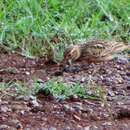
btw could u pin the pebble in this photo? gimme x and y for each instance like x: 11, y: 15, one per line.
x: 20, y: 97
x: 114, y: 88
x: 109, y: 99
x: 4, y: 127
x: 107, y: 123
x: 94, y: 128
x: 57, y: 73
x: 40, y: 81
x: 121, y: 92
x: 107, y: 79
x: 123, y: 60
x: 77, y: 118
x: 75, y: 69
x: 68, y: 109
x: 110, y: 93
x: 128, y: 73
x: 127, y: 102
x: 27, y: 73
x: 52, y: 128
x: 35, y: 109
x: 88, y: 67
x: 126, y: 78
x: 84, y: 115
x: 123, y: 127
x: 86, y: 128
x: 74, y: 97
x: 78, y: 107
x: 128, y: 87
x: 4, y: 109
x: 43, y: 128
x: 67, y: 128
x: 34, y: 102
x: 13, y: 123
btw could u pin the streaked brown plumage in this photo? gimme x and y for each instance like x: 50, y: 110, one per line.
x: 94, y: 50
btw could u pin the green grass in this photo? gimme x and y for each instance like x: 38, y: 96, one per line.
x: 30, y: 27
x: 59, y: 90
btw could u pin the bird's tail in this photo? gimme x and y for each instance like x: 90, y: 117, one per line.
x: 121, y: 47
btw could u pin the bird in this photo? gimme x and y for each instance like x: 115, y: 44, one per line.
x: 94, y: 50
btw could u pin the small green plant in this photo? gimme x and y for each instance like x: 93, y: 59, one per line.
x: 59, y: 90
x: 62, y: 90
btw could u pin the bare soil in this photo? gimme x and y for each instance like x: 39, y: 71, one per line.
x: 75, y: 113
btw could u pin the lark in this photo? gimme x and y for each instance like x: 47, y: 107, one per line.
x: 94, y: 50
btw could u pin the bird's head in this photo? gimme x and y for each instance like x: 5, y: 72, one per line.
x: 71, y: 54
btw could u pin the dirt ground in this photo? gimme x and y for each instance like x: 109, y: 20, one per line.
x: 75, y: 113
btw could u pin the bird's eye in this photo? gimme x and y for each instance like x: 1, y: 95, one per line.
x: 69, y: 55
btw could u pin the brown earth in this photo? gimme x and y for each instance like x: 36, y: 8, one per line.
x: 75, y: 113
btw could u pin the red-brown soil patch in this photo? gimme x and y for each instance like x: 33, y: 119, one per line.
x: 72, y: 114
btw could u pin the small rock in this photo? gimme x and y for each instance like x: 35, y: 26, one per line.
x: 94, y: 128
x: 74, y: 97
x: 40, y: 81
x: 84, y: 115
x: 89, y: 103
x: 79, y: 127
x: 121, y: 92
x: 128, y: 73
x: 43, y: 128
x: 35, y: 109
x: 128, y: 87
x: 21, y: 112
x: 68, y: 109
x: 109, y: 98
x: 13, y: 123
x: 4, y: 127
x: 107, y: 123
x: 123, y: 112
x: 78, y: 106
x: 114, y: 88
x: 123, y: 126
x: 126, y: 78
x: 77, y: 118
x: 127, y: 102
x: 110, y: 93
x: 88, y: 67
x: 75, y: 69
x: 20, y: 97
x: 52, y: 128
x: 86, y: 128
x: 57, y: 73
x: 123, y: 60
x: 3, y: 109
x: 3, y: 118
x: 72, y: 69
x: 17, y: 107
x: 34, y: 103
x: 107, y: 79
x: 19, y: 126
x: 128, y: 59
x: 27, y: 73
x: 67, y: 128
x: 122, y: 74
x: 31, y: 97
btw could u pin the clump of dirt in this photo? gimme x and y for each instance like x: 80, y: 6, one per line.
x: 76, y: 113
